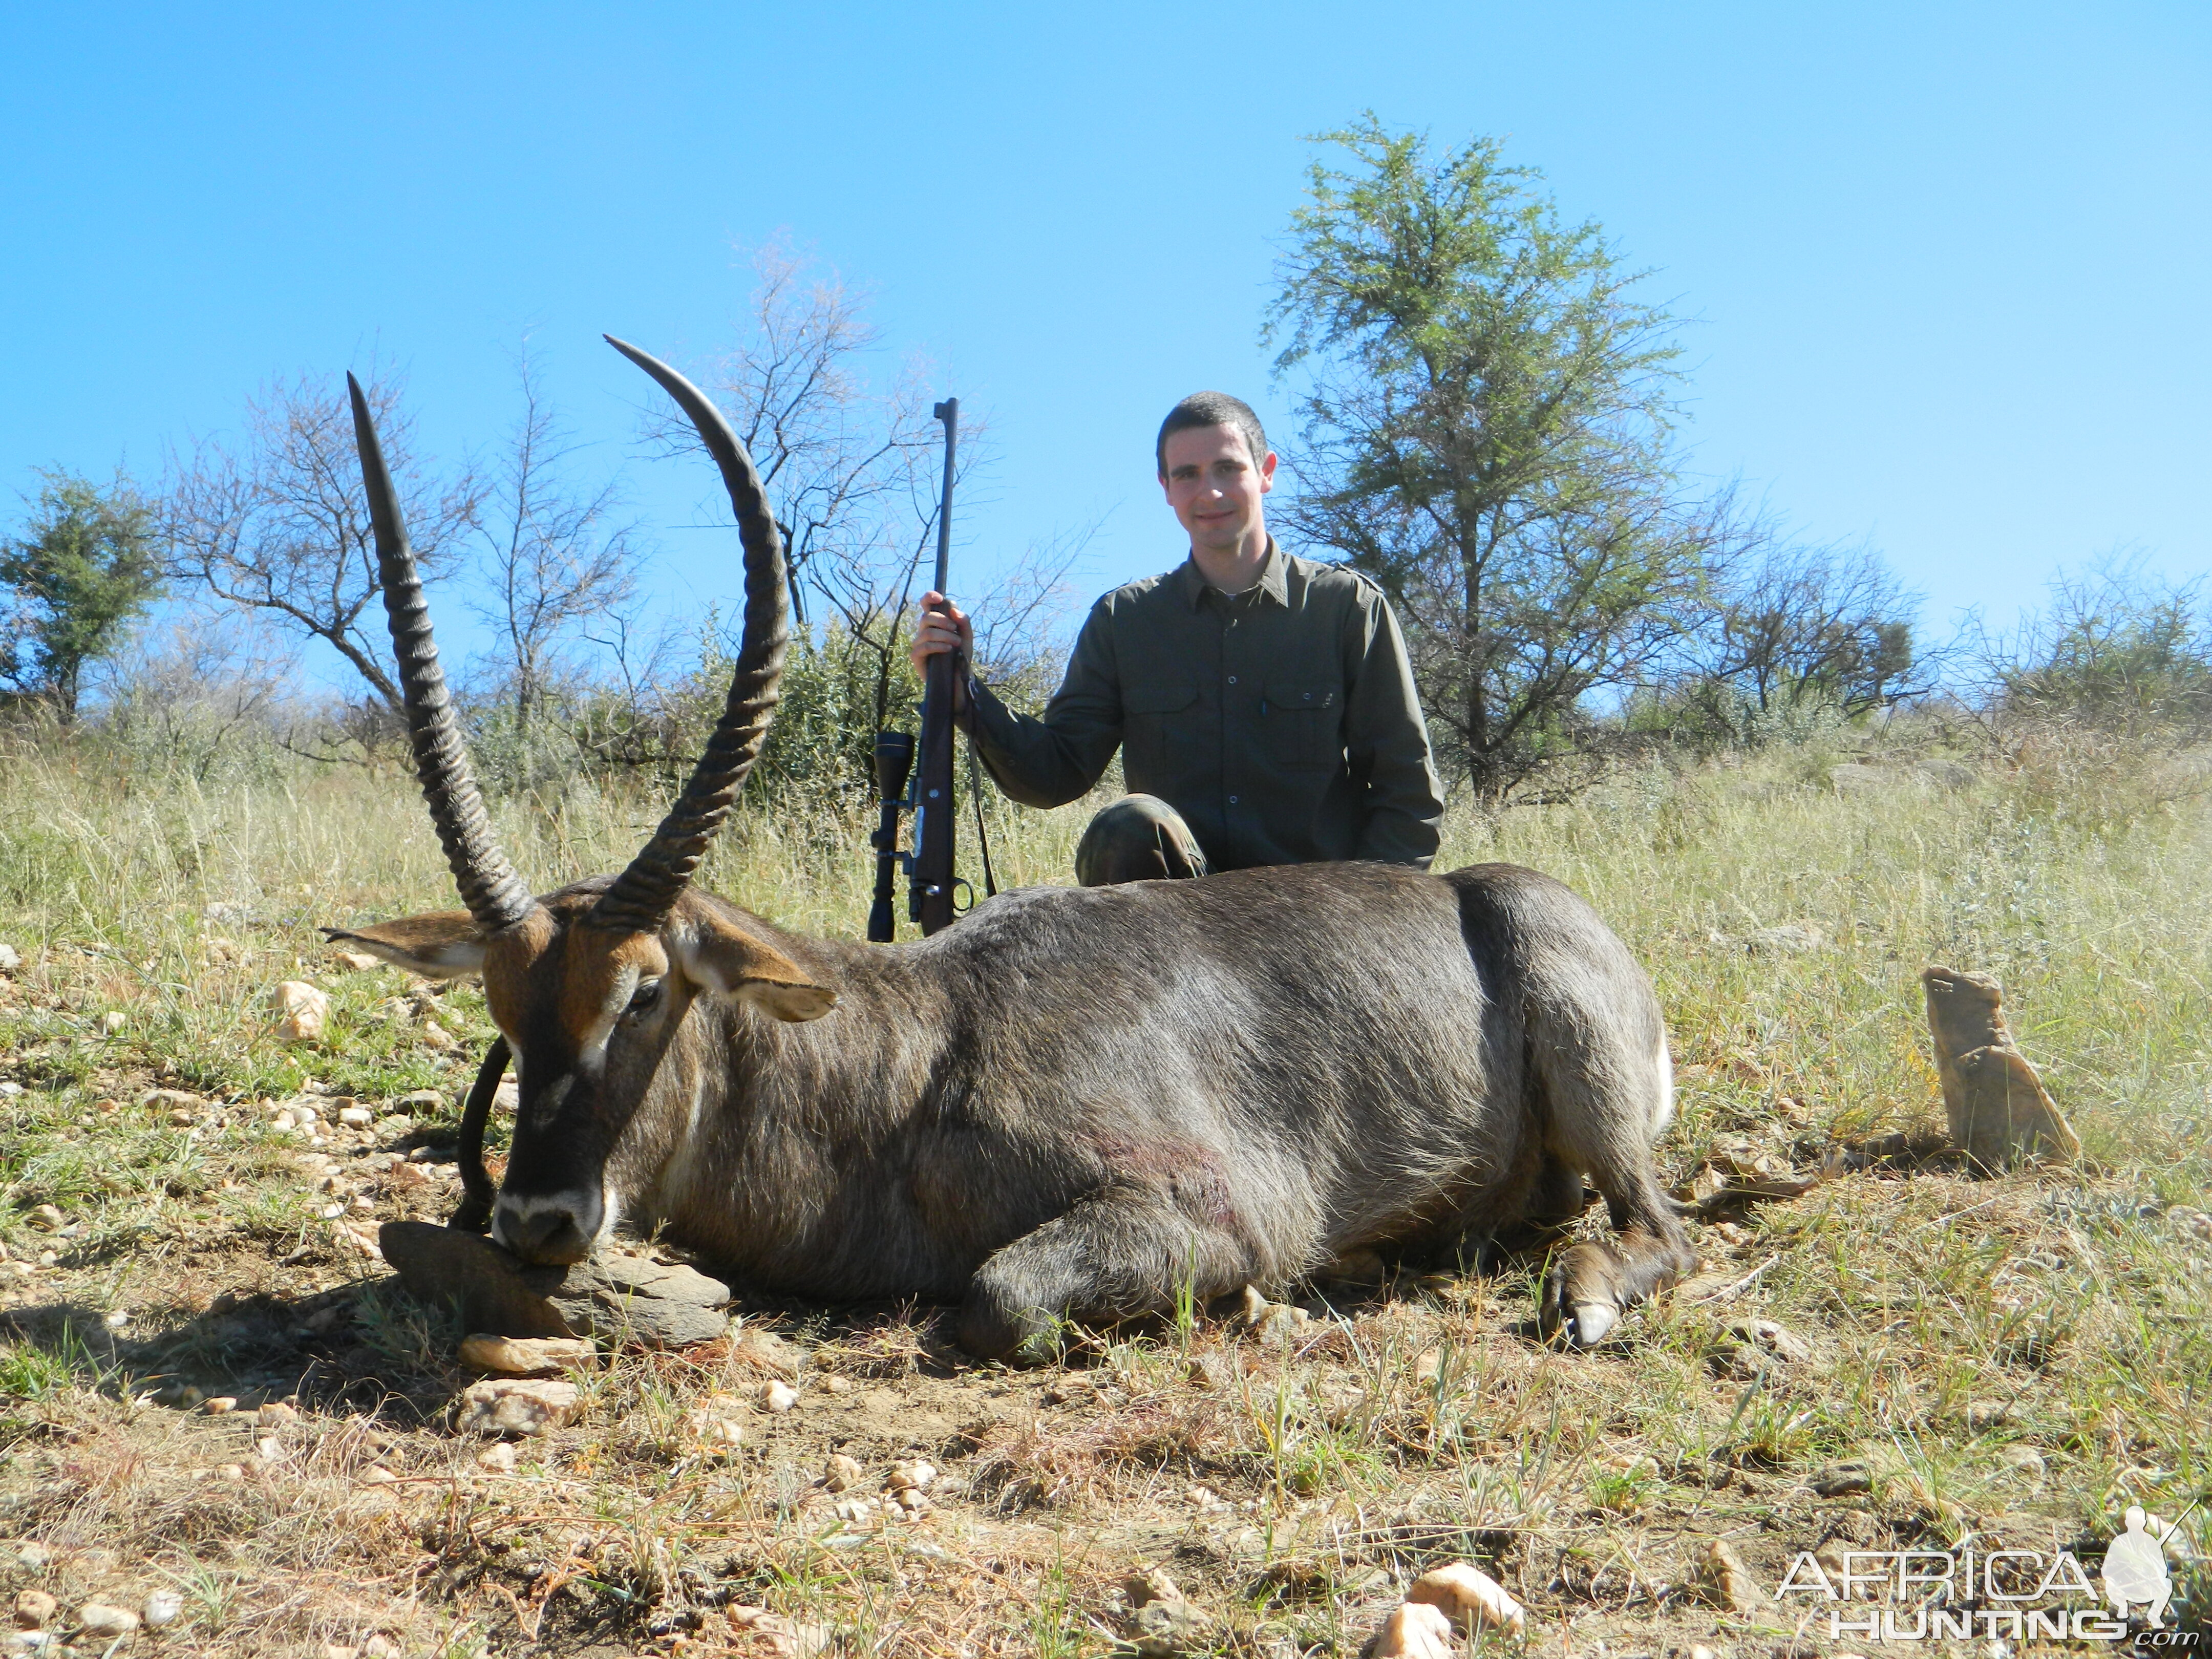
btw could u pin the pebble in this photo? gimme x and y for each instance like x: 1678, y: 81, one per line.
x: 219, y: 1405
x: 778, y: 1397
x: 522, y: 1356
x: 48, y: 1216
x: 34, y: 1609
x: 840, y: 1474
x: 499, y: 1458
x: 1471, y: 1599
x: 113, y: 1021
x: 1415, y: 1631
x: 231, y: 1472
x: 161, y: 1609
x: 916, y: 1475
x: 357, y: 1117
x: 505, y: 1406
x: 104, y: 1623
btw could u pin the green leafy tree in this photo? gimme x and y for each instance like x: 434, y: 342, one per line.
x: 1486, y: 412
x: 83, y: 568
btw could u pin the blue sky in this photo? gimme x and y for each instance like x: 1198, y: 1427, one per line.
x: 1947, y: 264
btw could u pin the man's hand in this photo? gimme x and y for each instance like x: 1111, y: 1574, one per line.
x: 944, y: 627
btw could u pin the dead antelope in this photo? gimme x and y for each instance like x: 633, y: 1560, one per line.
x: 1070, y: 1105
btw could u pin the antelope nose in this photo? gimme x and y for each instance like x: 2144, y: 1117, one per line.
x: 546, y: 1231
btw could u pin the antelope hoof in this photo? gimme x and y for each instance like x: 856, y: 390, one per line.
x: 1593, y: 1321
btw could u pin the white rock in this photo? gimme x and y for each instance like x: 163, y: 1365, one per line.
x: 357, y: 1117
x: 160, y: 1608
x: 302, y: 1012
x: 11, y: 959
x: 113, y: 1021
x: 498, y: 1458
x: 504, y: 1406
x: 1415, y: 1631
x: 1471, y: 1599
x: 103, y: 1623
x: 528, y: 1356
x: 916, y: 1475
x: 778, y: 1397
x: 841, y: 1474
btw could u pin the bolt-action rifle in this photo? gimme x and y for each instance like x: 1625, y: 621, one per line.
x: 929, y: 866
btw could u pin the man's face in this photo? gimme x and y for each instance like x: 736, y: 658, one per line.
x: 1213, y: 486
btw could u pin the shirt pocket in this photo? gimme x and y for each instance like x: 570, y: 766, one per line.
x: 1149, y: 716
x: 1302, y: 725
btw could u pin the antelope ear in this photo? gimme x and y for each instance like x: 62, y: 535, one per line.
x: 733, y: 963
x: 443, y: 944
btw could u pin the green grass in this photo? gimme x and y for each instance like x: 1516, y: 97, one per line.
x: 1954, y: 1325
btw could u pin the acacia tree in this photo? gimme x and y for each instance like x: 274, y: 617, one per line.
x: 1486, y: 410
x: 1790, y: 628
x: 84, y: 567
x: 278, y: 525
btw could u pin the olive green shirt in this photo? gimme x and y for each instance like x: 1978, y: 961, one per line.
x: 1282, y: 723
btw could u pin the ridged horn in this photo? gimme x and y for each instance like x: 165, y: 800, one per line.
x: 642, y: 895
x: 495, y: 896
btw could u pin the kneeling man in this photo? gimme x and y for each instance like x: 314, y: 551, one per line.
x: 1263, y: 703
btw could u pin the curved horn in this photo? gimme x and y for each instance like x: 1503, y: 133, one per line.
x: 495, y: 896
x: 642, y: 895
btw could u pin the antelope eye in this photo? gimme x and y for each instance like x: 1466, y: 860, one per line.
x: 644, y: 999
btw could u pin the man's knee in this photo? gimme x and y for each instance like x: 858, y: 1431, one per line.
x: 1137, y: 838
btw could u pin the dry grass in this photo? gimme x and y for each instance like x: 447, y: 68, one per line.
x: 2015, y: 1358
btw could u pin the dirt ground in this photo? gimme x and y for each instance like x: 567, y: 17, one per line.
x: 248, y: 1413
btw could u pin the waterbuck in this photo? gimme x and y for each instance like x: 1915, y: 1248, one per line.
x: 1075, y: 1102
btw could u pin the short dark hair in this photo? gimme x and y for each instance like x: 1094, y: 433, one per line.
x: 1210, y: 409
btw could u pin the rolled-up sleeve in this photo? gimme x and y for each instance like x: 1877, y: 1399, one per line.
x: 1386, y: 740
x: 1049, y: 761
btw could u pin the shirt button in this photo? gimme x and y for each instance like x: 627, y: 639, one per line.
x: 1232, y: 800
x: 1232, y: 679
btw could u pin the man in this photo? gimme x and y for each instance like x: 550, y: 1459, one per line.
x: 1263, y: 703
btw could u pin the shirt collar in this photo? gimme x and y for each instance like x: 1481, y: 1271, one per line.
x: 1274, y: 578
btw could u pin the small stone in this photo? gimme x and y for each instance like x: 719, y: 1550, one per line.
x: 2024, y: 1461
x: 506, y: 1405
x: 233, y: 1473
x: 498, y: 1458
x: 111, y: 1021
x: 268, y: 1449
x: 1415, y: 1631
x: 1842, y: 1479
x: 837, y: 1384
x: 358, y: 961
x: 276, y: 1413
x: 302, y: 1012
x: 436, y: 1036
x: 916, y: 1474
x: 517, y: 1356
x: 219, y: 1405
x: 840, y: 1474
x: 1726, y: 1579
x: 357, y: 1117
x: 713, y: 1426
x: 1166, y: 1628
x: 161, y: 1609
x: 11, y: 959
x: 1470, y: 1598
x: 377, y: 1475
x: 34, y: 1609
x: 778, y: 1397
x: 103, y: 1623
x: 48, y: 1216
